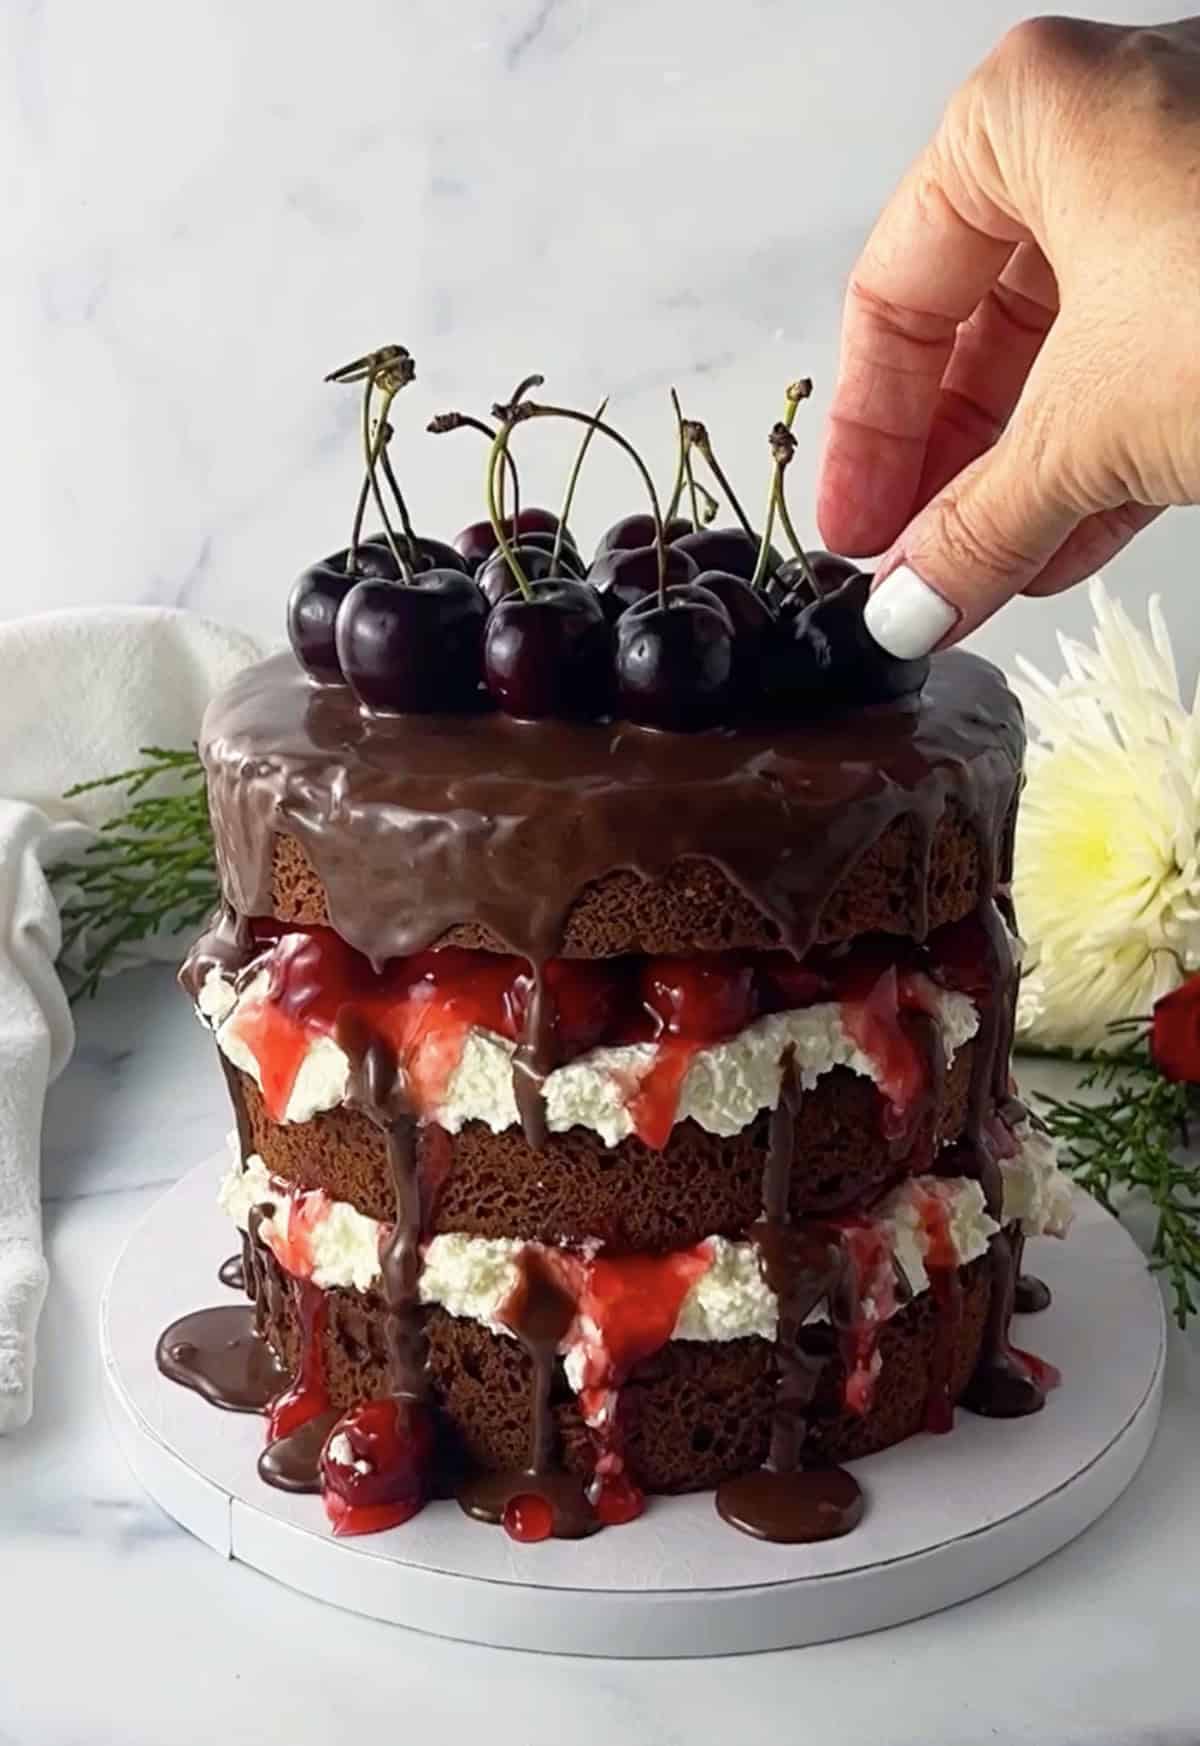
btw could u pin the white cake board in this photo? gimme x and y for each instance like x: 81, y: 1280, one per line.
x: 947, y: 1517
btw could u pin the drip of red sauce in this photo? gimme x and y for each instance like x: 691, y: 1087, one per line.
x: 1045, y: 1374
x: 871, y: 1299
x: 873, y: 1000
x: 692, y: 1003
x: 306, y: 1396
x: 292, y: 1247
x: 618, y: 1500
x: 632, y: 1303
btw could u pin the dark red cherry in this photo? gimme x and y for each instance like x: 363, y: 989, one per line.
x: 677, y: 594
x: 377, y: 1465
x: 704, y: 997
x: 726, y: 548
x: 752, y: 620
x: 621, y: 576
x: 551, y: 655
x: 633, y: 531
x: 432, y: 554
x: 824, y: 658
x: 478, y: 541
x: 789, y: 588
x: 749, y: 612
x: 312, y: 610
x: 414, y: 648
x: 674, y: 665
x: 497, y: 581
x: 314, y: 601
x: 569, y: 561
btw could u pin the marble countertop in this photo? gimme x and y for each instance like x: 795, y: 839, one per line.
x: 115, y: 1625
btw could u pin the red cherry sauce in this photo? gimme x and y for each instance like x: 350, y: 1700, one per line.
x: 292, y: 1247
x: 426, y: 1004
x: 871, y: 1300
x: 690, y: 1003
x: 423, y: 1005
x: 1041, y: 1371
x: 306, y: 1396
x: 626, y: 1308
x: 632, y: 1303
x: 874, y: 997
x: 393, y: 1441
x: 941, y: 1264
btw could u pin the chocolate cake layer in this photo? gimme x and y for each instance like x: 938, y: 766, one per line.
x: 629, y: 1195
x: 691, y: 1415
x: 544, y: 838
x: 694, y: 907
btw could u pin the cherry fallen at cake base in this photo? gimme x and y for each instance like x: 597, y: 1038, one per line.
x: 944, y: 1518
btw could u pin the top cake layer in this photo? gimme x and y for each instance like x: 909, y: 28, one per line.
x: 592, y: 839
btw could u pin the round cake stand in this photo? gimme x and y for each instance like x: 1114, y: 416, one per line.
x: 947, y: 1517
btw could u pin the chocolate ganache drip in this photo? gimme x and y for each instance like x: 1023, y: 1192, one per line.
x: 805, y: 1265
x: 540, y: 1313
x: 416, y: 825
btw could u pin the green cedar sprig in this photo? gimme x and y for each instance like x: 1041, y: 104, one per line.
x: 1132, y: 1141
x: 151, y: 869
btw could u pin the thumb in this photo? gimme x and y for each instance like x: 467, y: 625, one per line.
x: 990, y: 531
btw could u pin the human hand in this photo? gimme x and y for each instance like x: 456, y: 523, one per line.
x: 1019, y: 390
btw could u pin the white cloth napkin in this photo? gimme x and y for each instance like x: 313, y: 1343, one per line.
x: 80, y: 692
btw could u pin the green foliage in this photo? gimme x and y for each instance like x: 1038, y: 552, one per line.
x: 151, y: 869
x: 1133, y: 1140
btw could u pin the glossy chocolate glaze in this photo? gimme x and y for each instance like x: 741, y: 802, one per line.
x: 416, y: 824
x: 219, y: 1353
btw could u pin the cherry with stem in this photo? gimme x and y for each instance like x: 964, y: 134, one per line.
x: 385, y: 371
x: 534, y: 409
x: 782, y: 445
x: 795, y: 393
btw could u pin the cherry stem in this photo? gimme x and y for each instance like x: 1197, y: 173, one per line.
x: 371, y: 448
x: 708, y: 503
x: 700, y: 440
x: 572, y: 482
x: 794, y: 394
x: 410, y: 538
x: 500, y: 448
x: 465, y: 421
x: 360, y: 509
x: 683, y: 468
x: 531, y: 409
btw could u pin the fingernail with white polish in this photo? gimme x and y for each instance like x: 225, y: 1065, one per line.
x: 907, y: 617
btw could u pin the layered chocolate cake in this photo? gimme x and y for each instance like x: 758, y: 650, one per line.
x: 620, y: 1109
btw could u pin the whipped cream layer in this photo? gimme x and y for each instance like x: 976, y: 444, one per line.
x: 725, y: 1087
x: 928, y: 1220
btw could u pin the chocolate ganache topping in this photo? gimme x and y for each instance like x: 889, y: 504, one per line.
x: 416, y: 824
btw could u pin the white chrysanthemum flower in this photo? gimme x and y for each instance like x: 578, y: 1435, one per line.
x: 1107, y: 877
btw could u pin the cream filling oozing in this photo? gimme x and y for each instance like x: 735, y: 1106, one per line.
x: 726, y: 1085
x: 332, y: 1244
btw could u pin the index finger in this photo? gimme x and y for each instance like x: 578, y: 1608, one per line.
x: 940, y: 243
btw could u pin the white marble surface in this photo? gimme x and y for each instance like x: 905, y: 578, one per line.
x: 115, y: 1626
x: 207, y: 206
